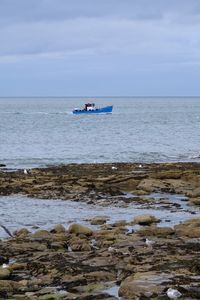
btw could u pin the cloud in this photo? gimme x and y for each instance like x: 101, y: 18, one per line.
x: 87, y: 37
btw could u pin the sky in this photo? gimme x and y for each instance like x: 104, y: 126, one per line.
x: 99, y: 48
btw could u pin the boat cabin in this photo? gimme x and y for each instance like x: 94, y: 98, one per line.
x: 89, y: 106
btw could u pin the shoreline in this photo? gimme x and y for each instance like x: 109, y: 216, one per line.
x: 107, y: 260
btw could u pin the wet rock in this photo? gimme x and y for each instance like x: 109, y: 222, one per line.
x: 80, y: 245
x: 59, y: 228
x: 194, y: 193
x: 4, y: 273
x: 99, y: 220
x: 142, y: 284
x: 9, y: 286
x: 152, y: 185
x: 161, y: 232
x: 41, y: 234
x: 145, y: 220
x: 80, y: 229
x: 194, y: 201
x: 190, y: 228
x: 21, y: 233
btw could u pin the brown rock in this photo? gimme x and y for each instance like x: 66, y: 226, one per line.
x: 161, y: 232
x: 145, y: 220
x: 80, y: 245
x: 99, y: 220
x: 190, y: 228
x: 4, y: 273
x: 151, y: 185
x: 142, y: 284
x: 194, y: 201
x: 59, y: 229
x: 41, y: 234
x: 22, y: 233
x: 80, y: 229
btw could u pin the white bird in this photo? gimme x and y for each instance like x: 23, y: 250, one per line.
x: 149, y: 243
x: 111, y: 249
x: 25, y: 172
x: 140, y: 166
x: 4, y: 266
x: 114, y: 168
x: 173, y: 294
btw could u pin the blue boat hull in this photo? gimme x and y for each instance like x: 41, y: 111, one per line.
x: 104, y: 110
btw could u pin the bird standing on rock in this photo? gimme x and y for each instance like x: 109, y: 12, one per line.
x: 25, y: 172
x: 149, y: 243
x: 173, y: 294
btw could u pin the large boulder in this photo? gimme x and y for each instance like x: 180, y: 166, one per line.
x: 59, y: 228
x: 190, y: 228
x: 4, y: 273
x: 80, y: 229
x: 22, y: 233
x: 142, y: 284
x: 41, y: 234
x: 145, y: 220
x: 160, y: 232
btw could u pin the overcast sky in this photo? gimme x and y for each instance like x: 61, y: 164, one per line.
x: 99, y: 47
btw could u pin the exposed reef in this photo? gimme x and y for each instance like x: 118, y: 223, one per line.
x: 105, y: 260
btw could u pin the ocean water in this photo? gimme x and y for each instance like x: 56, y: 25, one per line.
x: 43, y: 131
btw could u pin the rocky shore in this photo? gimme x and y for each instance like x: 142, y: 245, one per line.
x: 105, y: 260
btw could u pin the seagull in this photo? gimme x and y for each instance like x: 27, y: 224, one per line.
x: 173, y: 294
x: 25, y: 172
x: 4, y: 266
x: 149, y: 243
x: 114, y: 168
x: 111, y: 249
x: 140, y: 166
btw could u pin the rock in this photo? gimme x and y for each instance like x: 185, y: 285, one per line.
x: 99, y: 220
x: 3, y: 260
x: 190, y: 228
x: 100, y: 276
x: 80, y: 229
x: 80, y: 245
x: 17, y: 266
x: 161, y: 232
x: 22, y: 233
x: 194, y: 201
x: 41, y: 234
x: 153, y: 185
x: 2, y: 165
x: 8, y: 286
x: 193, y: 193
x: 49, y: 297
x: 141, y: 284
x: 4, y: 273
x: 58, y: 229
x: 145, y: 220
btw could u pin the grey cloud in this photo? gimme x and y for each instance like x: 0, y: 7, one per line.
x: 12, y: 11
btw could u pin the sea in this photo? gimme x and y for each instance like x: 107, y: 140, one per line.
x: 37, y: 132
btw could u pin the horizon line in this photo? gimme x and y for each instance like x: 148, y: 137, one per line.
x: 102, y: 96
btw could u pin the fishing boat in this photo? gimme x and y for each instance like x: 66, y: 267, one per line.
x: 90, y: 108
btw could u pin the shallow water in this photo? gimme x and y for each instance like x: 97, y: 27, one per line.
x: 40, y: 131
x: 17, y: 212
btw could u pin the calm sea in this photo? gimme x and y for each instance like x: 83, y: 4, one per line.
x: 42, y: 131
